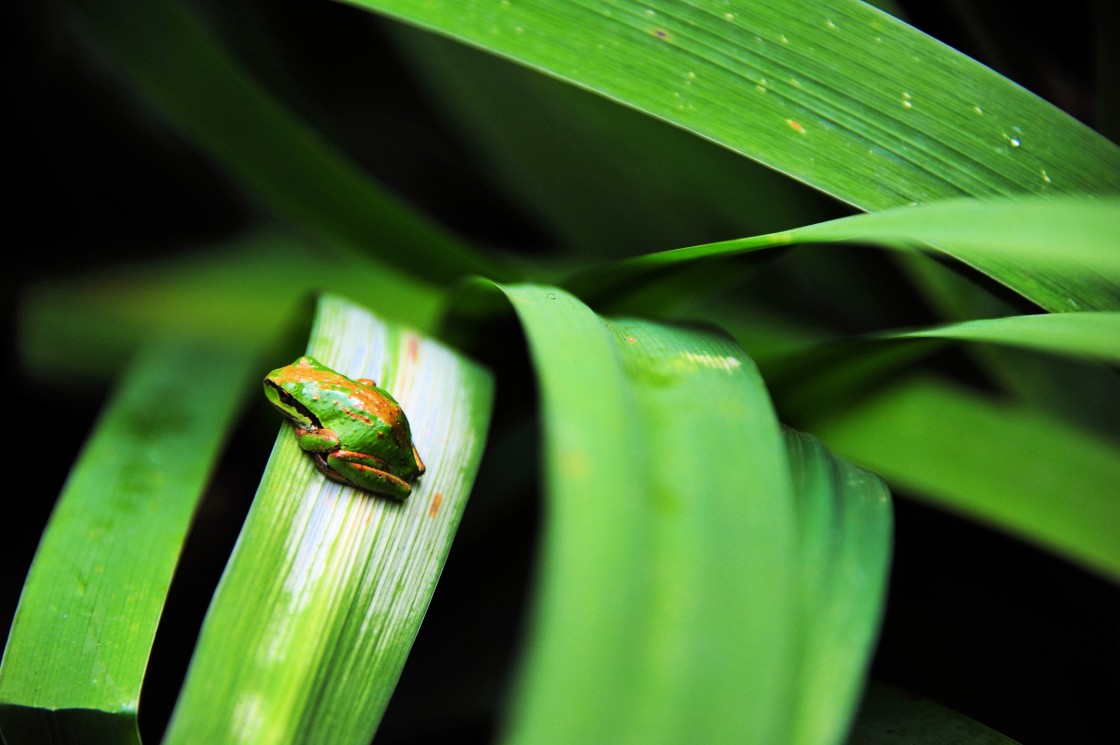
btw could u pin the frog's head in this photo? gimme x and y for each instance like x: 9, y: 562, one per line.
x: 287, y: 389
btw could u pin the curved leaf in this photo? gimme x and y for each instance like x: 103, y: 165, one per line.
x: 681, y: 559
x: 327, y: 586
x: 165, y: 51
x: 1062, y: 249
x: 827, y: 92
x: 1005, y: 465
x: 1091, y: 335
x: 835, y: 93
x: 669, y: 552
x: 79, y: 645
x: 814, y: 378
x: 844, y: 521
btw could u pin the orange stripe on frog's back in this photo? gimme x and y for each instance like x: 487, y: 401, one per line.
x: 373, y: 402
x: 370, y: 400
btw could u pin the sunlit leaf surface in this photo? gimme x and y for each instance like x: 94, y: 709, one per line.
x: 836, y: 94
x: 326, y: 589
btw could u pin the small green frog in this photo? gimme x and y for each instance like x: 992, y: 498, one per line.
x: 355, y: 432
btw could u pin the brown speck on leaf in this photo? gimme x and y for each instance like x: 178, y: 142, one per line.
x: 795, y: 126
x: 433, y: 508
x: 631, y: 339
x: 661, y: 33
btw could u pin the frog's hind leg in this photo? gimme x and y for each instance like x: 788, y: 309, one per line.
x: 367, y: 472
x: 320, y: 461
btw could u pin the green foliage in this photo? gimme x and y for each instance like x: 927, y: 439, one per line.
x: 326, y: 589
x: 703, y: 573
x: 1003, y: 464
x: 682, y: 548
x: 75, y: 659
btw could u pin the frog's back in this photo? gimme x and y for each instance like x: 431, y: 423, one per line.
x: 369, y: 420
x: 359, y: 411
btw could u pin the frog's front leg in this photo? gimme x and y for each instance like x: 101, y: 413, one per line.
x: 317, y: 440
x: 368, y: 472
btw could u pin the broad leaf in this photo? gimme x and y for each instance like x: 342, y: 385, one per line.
x: 681, y: 557
x: 1008, y: 466
x: 836, y: 94
x: 669, y: 558
x: 75, y: 659
x: 327, y: 586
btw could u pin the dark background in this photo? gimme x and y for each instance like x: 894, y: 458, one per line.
x: 982, y: 623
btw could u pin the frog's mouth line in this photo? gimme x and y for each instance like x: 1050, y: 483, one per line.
x: 295, y: 407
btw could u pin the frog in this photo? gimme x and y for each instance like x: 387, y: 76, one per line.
x: 355, y: 432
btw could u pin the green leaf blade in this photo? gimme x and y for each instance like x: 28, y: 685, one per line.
x: 327, y: 587
x: 713, y: 573
x: 250, y: 290
x: 80, y: 641
x: 706, y: 601
x: 1090, y: 335
x: 1008, y: 466
x: 845, y: 525
x: 826, y: 92
x: 1058, y: 251
x: 643, y: 485
x: 836, y: 94
x: 578, y: 550
x: 165, y: 51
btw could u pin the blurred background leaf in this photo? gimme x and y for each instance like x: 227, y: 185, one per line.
x: 165, y: 52
x: 76, y: 656
x: 1009, y: 466
x: 667, y: 433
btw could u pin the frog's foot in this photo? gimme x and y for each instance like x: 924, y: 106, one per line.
x: 367, y: 472
x: 419, y: 463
